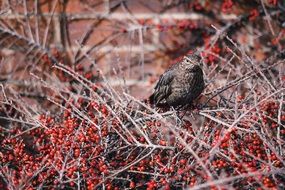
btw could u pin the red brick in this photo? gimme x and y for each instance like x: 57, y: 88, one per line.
x: 85, y: 6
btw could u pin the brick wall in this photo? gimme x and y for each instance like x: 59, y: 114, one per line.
x: 134, y: 37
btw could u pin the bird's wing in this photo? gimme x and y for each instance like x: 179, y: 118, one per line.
x: 197, y: 86
x: 162, y: 88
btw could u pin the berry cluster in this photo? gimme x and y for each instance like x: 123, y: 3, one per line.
x: 67, y: 152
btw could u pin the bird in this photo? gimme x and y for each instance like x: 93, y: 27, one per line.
x: 178, y: 86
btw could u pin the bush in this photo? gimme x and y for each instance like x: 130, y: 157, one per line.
x: 63, y: 125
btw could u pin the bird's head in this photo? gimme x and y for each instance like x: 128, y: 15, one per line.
x: 193, y: 63
x: 191, y: 68
x: 192, y: 59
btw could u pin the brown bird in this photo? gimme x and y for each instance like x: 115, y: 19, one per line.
x: 180, y: 84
